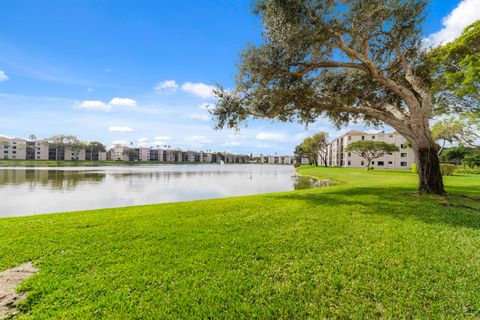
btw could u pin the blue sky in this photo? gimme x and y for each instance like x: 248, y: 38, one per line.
x: 141, y: 71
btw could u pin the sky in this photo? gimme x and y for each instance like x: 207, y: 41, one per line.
x: 142, y: 71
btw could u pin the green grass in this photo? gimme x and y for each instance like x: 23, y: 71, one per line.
x: 368, y: 247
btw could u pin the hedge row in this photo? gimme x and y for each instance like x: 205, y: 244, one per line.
x: 448, y: 169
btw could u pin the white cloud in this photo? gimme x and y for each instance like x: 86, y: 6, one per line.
x: 271, y: 136
x: 90, y: 89
x: 166, y: 85
x: 3, y: 76
x: 163, y: 138
x: 95, y: 105
x: 115, y: 103
x: 467, y: 12
x: 123, y: 129
x: 123, y: 102
x: 142, y: 140
x: 198, y: 139
x: 199, y: 89
x: 198, y: 116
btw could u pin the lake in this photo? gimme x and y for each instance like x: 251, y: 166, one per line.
x: 27, y: 191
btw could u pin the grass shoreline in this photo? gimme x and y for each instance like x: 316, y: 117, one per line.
x: 366, y: 247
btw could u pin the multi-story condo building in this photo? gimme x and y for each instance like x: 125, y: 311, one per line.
x: 119, y: 153
x: 283, y: 160
x: 74, y: 154
x: 144, y: 154
x: 95, y: 155
x: 402, y: 159
x: 37, y: 150
x: 13, y: 148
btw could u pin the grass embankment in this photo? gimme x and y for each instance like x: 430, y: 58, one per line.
x: 81, y: 163
x: 368, y: 247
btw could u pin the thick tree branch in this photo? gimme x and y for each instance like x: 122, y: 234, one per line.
x: 306, y: 67
x: 397, y: 88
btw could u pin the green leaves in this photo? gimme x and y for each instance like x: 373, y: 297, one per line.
x: 371, y: 146
x: 456, y: 65
x: 313, y: 147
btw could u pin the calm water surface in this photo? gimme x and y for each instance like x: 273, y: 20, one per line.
x: 26, y: 191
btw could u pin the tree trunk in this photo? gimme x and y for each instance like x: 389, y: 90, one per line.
x: 428, y: 167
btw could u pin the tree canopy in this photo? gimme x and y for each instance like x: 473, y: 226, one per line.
x: 313, y: 148
x: 348, y: 61
x: 455, y: 66
x: 459, y: 130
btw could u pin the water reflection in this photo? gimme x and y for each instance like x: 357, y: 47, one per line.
x: 55, y: 179
x: 41, y: 190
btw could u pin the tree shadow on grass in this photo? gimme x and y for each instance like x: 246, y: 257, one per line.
x: 460, y: 208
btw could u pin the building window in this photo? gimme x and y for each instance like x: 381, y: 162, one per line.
x: 390, y: 136
x: 403, y: 146
x: 349, y: 137
x: 403, y: 164
x: 373, y: 137
x: 349, y: 154
x: 349, y: 163
x: 380, y: 163
x: 403, y: 155
x: 362, y: 163
x: 390, y: 162
x: 390, y: 153
x: 373, y: 162
x: 363, y: 137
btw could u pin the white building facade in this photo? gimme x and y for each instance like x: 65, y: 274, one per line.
x: 337, y: 157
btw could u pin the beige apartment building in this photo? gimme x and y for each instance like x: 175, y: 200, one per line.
x: 144, y: 154
x: 71, y: 154
x: 13, y: 148
x: 119, y: 153
x: 40, y: 150
x: 283, y: 160
x: 402, y: 159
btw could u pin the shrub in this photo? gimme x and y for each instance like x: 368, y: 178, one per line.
x: 468, y: 170
x: 413, y: 168
x: 472, y: 160
x: 447, y: 169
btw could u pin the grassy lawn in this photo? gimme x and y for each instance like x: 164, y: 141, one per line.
x: 367, y: 247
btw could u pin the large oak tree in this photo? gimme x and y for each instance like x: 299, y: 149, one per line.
x: 346, y: 60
